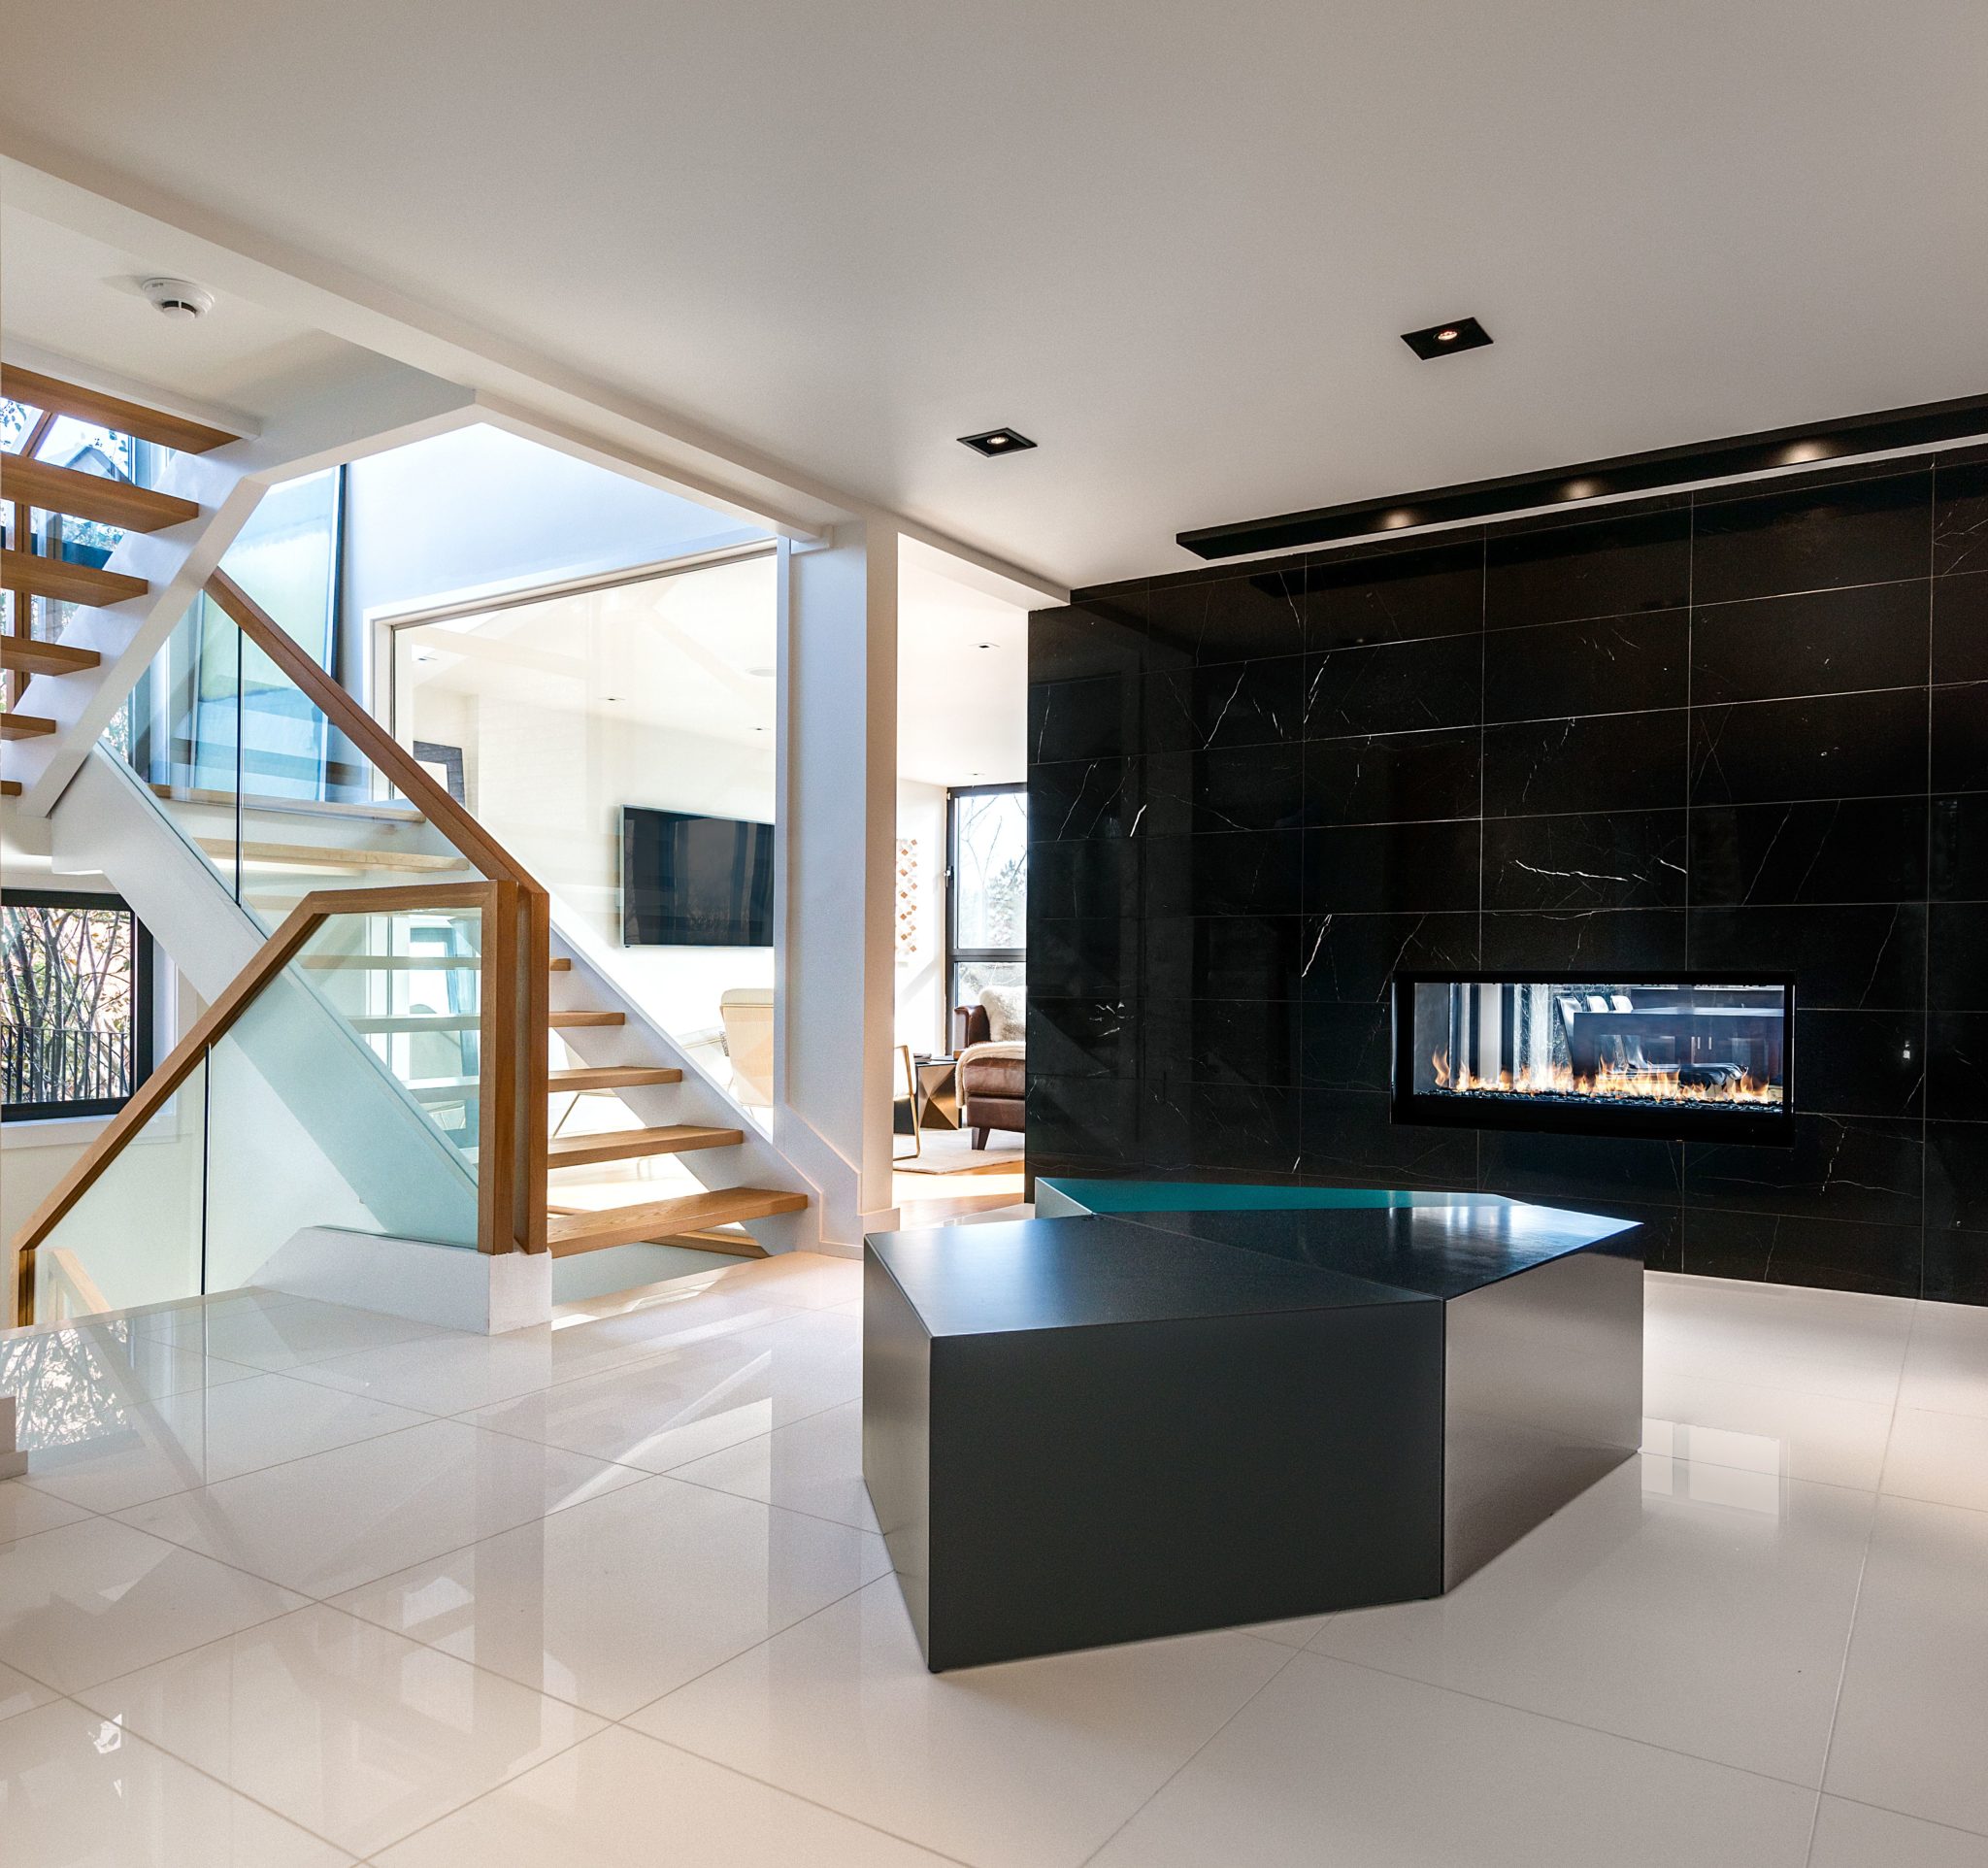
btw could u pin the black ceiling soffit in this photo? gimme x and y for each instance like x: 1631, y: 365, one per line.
x: 1813, y: 444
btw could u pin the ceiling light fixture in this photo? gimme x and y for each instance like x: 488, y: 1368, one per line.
x: 1447, y: 340
x: 996, y: 440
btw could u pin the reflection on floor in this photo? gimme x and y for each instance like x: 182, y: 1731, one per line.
x: 290, y: 1584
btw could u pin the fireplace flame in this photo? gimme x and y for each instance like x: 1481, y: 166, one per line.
x: 1610, y: 1083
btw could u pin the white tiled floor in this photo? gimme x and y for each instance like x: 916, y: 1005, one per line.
x: 292, y: 1585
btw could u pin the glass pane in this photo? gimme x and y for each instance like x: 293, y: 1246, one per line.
x: 134, y: 1237
x: 560, y: 714
x: 16, y: 422
x: 69, y: 1011
x: 286, y: 558
x: 348, y: 1095
x: 972, y: 978
x: 89, y: 449
x: 990, y: 869
x: 312, y: 811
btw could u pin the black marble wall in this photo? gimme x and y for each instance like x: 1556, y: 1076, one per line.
x: 1742, y: 729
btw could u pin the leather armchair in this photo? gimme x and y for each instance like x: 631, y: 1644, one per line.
x: 993, y: 1089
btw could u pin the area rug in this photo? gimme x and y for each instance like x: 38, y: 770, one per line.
x: 951, y: 1151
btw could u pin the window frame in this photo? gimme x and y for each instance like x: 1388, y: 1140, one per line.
x: 957, y: 956
x: 143, y: 1004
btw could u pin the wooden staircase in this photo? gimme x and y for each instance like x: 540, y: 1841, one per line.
x: 709, y: 1219
x: 31, y: 576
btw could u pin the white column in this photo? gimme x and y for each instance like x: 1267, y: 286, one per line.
x: 837, y: 783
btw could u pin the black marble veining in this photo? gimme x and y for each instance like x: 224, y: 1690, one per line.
x: 1745, y: 729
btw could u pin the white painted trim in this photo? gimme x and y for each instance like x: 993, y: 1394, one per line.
x: 168, y: 401
x: 487, y: 1293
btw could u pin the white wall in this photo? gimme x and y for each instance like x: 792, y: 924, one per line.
x: 549, y: 782
x: 923, y: 1017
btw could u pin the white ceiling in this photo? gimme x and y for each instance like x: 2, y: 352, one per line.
x: 63, y: 293
x: 1175, y: 244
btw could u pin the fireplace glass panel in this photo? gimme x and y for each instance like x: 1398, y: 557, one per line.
x: 1653, y: 1055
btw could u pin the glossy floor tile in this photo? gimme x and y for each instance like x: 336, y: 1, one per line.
x: 1946, y: 1362
x: 1854, y: 1835
x: 1027, y: 1765
x: 336, y: 1520
x: 1788, y: 1431
x: 813, y: 1465
x: 291, y: 1335
x: 90, y: 1365
x: 21, y: 1695
x: 652, y: 1513
x: 26, y: 1509
x: 1711, y: 1628
x: 1334, y: 1763
x: 1940, y: 1457
x: 96, y: 1598
x: 351, y: 1732
x: 1915, y: 1688
x: 620, y: 1800
x: 623, y: 1598
x: 697, y: 1397
x: 78, y: 1791
x: 133, y: 1451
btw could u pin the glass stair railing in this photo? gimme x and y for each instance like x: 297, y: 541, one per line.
x: 262, y: 780
x: 380, y: 1066
x: 357, y: 1076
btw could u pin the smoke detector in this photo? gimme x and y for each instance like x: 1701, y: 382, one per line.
x: 179, y: 299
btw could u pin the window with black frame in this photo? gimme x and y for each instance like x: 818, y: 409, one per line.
x: 76, y: 1004
x: 987, y: 888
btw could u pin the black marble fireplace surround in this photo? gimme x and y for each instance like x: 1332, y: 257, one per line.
x: 1741, y: 731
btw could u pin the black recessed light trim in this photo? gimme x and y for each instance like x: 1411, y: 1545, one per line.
x: 1447, y: 338
x: 997, y: 442
x: 1736, y: 458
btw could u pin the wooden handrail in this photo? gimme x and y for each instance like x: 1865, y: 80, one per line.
x: 511, y: 1206
x: 417, y: 787
x: 526, y: 1157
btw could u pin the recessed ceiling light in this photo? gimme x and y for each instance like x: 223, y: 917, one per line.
x: 989, y: 645
x: 996, y: 440
x: 1446, y: 340
x: 764, y: 673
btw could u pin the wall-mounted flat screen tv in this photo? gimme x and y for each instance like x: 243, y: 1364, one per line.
x: 695, y: 882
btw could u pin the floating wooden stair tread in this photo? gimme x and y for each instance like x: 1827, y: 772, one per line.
x: 560, y: 1021
x: 680, y: 1218
x: 419, y: 1021
x: 25, y: 726
x: 446, y: 1089
x: 560, y: 965
x: 29, y: 575
x: 49, y: 488
x: 32, y: 657
x: 356, y: 861
x: 288, y: 807
x: 10, y: 787
x: 613, y: 1077
x: 51, y: 393
x: 631, y: 1144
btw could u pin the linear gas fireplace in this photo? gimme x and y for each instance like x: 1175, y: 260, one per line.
x: 1653, y: 1053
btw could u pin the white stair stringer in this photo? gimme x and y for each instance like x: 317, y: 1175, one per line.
x: 373, y: 1139
x: 698, y: 1098
x: 373, y: 406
